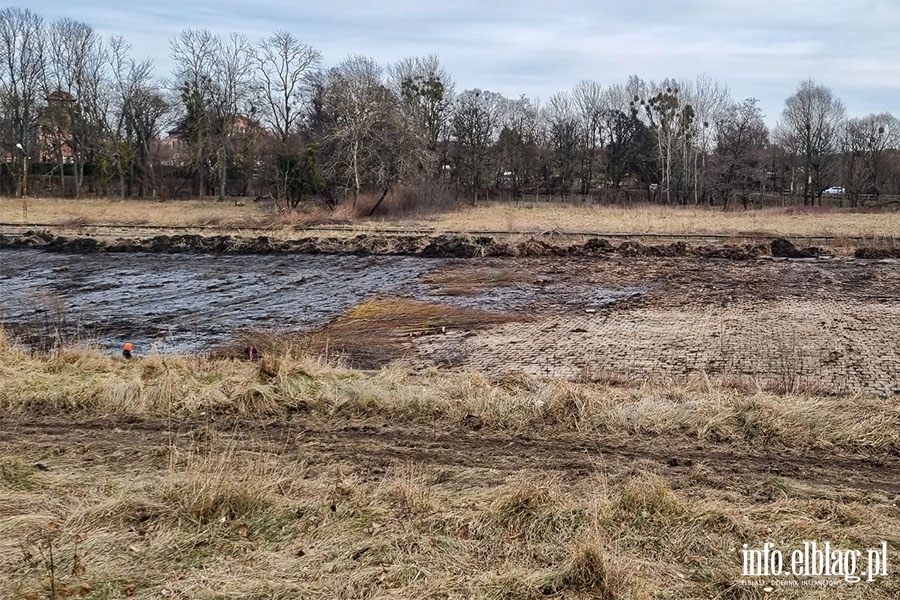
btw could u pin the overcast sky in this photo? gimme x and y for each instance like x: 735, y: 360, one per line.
x: 759, y: 48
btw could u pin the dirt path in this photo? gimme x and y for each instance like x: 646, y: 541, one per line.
x: 378, y: 446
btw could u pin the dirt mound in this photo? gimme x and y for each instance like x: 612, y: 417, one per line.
x: 662, y: 250
x: 437, y: 246
x: 782, y: 248
x: 454, y: 246
x: 596, y: 246
x: 876, y: 253
x: 538, y: 248
x: 731, y: 252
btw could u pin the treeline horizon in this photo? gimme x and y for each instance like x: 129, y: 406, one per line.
x: 80, y: 116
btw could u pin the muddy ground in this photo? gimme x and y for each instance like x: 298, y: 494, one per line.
x: 829, y: 326
x: 824, y: 325
x: 374, y: 446
x: 176, y: 304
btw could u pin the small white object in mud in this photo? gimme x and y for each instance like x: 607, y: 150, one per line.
x: 590, y: 311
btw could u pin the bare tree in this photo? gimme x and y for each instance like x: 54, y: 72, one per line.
x: 195, y: 53
x: 742, y: 139
x: 866, y: 142
x: 425, y: 90
x: 564, y: 128
x: 231, y: 88
x: 518, y: 143
x: 77, y: 94
x: 352, y: 102
x: 22, y: 63
x: 284, y: 66
x: 139, y: 112
x: 588, y: 96
x: 671, y: 122
x: 810, y: 128
x: 708, y: 100
x: 476, y: 124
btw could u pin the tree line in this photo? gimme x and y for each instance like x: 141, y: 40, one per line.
x: 79, y: 115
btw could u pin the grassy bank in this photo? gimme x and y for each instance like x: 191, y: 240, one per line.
x: 84, y: 383
x: 295, y: 478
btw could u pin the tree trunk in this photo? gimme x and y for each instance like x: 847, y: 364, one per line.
x: 223, y: 173
x: 202, y: 189
x: 121, y: 179
x: 380, y: 200
x: 355, y: 167
x: 79, y: 174
x: 62, y: 172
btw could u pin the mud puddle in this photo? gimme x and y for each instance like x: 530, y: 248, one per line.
x: 179, y: 303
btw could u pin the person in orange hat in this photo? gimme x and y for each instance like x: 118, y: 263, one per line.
x: 126, y: 350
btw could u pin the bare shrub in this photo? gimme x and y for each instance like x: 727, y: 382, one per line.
x: 409, y: 201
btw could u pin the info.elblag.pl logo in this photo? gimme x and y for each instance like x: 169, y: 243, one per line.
x: 815, y: 563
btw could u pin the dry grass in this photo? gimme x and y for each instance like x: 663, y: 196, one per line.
x: 134, y: 212
x: 238, y: 521
x: 670, y: 220
x: 376, y: 331
x: 462, y: 280
x: 223, y: 511
x: 637, y: 219
x: 287, y: 379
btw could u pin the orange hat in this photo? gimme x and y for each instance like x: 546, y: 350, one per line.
x: 128, y: 347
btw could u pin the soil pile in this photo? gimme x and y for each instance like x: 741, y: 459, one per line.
x: 782, y: 248
x: 439, y: 246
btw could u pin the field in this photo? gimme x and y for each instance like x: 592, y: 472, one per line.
x: 616, y: 425
x: 547, y: 217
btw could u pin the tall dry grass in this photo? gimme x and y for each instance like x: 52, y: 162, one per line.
x: 433, y: 209
x: 287, y: 381
x: 226, y: 511
x: 236, y: 522
x: 71, y: 212
x: 670, y: 220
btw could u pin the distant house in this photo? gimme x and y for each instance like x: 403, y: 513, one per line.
x: 55, y: 128
x: 176, y: 145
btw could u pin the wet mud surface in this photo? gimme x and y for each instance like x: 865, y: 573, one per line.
x: 786, y: 324
x: 175, y: 303
x: 823, y: 326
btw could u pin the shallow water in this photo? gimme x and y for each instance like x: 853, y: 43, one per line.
x: 186, y: 303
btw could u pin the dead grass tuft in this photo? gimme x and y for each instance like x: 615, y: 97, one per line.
x: 604, y: 576
x: 16, y: 475
x: 406, y: 489
x: 221, y: 487
x: 647, y: 496
x: 526, y: 506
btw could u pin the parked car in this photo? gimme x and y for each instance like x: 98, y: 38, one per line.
x: 834, y: 191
